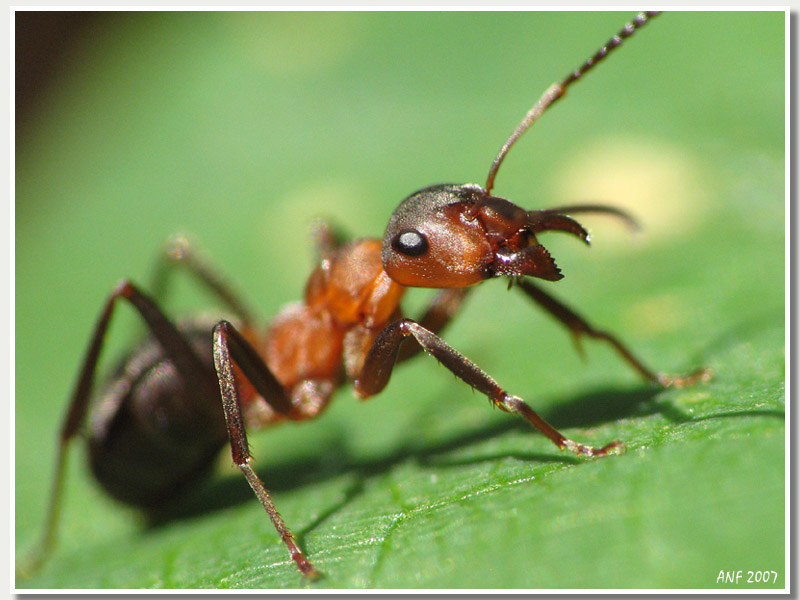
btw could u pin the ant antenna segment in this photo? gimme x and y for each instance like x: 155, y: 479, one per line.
x: 557, y: 90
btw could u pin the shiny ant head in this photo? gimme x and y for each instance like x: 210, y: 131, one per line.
x: 459, y: 235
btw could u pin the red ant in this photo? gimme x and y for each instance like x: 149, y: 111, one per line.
x: 159, y: 424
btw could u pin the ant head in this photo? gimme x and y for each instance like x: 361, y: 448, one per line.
x: 458, y: 235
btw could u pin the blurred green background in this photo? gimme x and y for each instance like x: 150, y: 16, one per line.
x: 240, y: 128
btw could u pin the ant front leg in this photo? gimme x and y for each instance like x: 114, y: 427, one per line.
x: 381, y: 360
x: 440, y: 312
x: 230, y: 346
x: 579, y: 327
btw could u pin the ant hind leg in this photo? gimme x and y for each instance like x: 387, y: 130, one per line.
x: 175, y: 347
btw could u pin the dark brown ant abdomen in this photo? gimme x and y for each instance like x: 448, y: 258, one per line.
x: 151, y: 436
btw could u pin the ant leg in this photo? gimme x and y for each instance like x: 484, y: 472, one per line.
x: 441, y: 310
x: 230, y: 346
x: 176, y: 349
x: 381, y: 359
x: 578, y: 327
x: 179, y: 251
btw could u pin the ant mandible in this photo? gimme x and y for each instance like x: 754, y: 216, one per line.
x: 159, y: 423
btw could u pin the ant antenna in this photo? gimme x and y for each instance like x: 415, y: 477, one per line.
x: 557, y: 90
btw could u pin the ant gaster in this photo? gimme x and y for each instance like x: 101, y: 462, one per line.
x: 160, y: 422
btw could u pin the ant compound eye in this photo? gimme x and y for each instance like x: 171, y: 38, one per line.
x: 410, y: 242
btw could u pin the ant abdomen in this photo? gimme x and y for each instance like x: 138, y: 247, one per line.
x: 153, y: 433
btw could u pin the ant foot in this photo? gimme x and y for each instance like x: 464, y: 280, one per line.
x: 177, y: 247
x: 615, y: 447
x: 700, y: 375
x: 308, y: 571
x: 299, y: 558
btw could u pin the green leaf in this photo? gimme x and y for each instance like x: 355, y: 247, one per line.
x: 240, y: 128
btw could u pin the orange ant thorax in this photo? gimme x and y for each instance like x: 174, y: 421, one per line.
x: 351, y: 285
x: 349, y: 299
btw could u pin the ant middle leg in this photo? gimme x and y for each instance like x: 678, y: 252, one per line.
x: 231, y: 347
x: 382, y: 357
x: 578, y: 327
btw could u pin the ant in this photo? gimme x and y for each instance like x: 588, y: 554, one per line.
x: 159, y: 423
